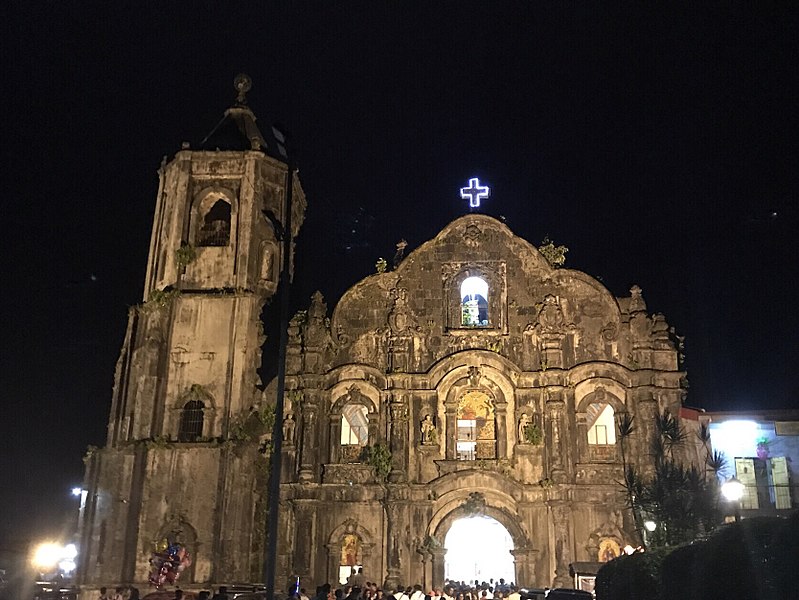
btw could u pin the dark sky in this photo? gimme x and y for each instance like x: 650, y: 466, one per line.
x: 659, y: 144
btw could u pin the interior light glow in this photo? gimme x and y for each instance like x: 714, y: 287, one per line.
x: 70, y: 551
x: 650, y: 525
x: 67, y: 566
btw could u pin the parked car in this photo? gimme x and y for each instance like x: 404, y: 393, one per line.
x: 54, y: 591
x: 569, y: 594
x: 169, y: 595
x: 533, y: 594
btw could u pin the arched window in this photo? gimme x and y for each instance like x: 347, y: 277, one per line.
x: 601, y: 425
x: 191, y: 421
x: 476, y: 427
x: 354, y: 431
x: 474, y: 302
x: 215, y: 225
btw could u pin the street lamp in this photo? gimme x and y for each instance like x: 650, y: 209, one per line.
x: 733, y: 491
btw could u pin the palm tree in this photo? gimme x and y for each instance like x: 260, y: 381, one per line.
x: 632, y: 483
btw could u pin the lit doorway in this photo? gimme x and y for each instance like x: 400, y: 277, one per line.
x: 478, y: 548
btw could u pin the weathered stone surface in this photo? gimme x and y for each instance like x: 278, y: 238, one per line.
x: 533, y: 367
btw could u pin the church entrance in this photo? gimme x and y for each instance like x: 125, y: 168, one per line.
x: 478, y: 548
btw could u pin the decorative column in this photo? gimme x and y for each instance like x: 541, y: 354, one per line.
x: 555, y: 409
x: 393, y: 532
x: 399, y: 438
x: 304, y: 514
x: 439, y: 556
x: 501, y: 434
x: 309, y: 449
x: 561, y: 518
x: 524, y: 558
x: 451, y: 431
x: 647, y: 411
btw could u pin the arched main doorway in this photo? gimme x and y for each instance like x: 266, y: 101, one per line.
x: 478, y: 547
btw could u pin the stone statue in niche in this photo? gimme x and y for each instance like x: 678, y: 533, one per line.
x: 289, y: 425
x: 474, y: 376
x: 524, y: 423
x: 266, y: 263
x: 428, y: 430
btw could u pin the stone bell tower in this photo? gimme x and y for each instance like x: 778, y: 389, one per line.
x: 187, y: 416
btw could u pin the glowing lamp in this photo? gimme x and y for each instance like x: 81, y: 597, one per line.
x: 76, y: 491
x: 46, y: 556
x: 650, y: 526
x: 733, y: 489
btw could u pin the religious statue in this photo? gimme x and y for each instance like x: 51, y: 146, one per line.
x: 288, y: 429
x: 428, y: 430
x: 524, y: 422
x: 474, y: 376
x: 266, y: 263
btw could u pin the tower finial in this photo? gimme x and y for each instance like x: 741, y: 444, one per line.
x: 242, y: 83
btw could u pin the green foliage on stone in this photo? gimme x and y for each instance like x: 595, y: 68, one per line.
x: 381, y: 265
x: 185, y: 255
x: 533, y: 434
x: 159, y: 299
x: 555, y: 255
x: 259, y: 421
x: 379, y: 458
x: 158, y: 442
x: 90, y: 450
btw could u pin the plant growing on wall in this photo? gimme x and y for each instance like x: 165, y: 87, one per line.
x: 379, y: 458
x: 185, y: 255
x: 381, y: 265
x: 160, y: 299
x: 533, y: 434
x: 555, y: 255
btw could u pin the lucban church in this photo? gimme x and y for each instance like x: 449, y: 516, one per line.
x: 452, y: 417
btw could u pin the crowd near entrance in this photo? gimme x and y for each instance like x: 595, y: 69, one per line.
x: 478, y: 548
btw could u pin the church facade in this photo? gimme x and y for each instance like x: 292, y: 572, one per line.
x: 472, y: 379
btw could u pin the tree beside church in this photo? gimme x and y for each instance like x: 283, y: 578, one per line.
x: 472, y: 379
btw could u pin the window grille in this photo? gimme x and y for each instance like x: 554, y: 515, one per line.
x: 191, y: 422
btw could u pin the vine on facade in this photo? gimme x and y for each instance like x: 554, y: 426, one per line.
x: 555, y: 255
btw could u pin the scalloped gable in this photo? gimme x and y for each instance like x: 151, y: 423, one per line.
x: 524, y: 289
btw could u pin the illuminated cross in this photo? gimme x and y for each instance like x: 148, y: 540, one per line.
x: 475, y: 192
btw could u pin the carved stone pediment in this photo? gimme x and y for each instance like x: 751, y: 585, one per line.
x: 348, y: 473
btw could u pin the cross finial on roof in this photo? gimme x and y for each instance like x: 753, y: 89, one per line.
x: 243, y: 84
x: 475, y: 192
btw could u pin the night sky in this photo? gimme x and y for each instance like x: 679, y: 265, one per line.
x: 660, y: 145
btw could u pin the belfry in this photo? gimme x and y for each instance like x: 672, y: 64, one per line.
x: 473, y: 381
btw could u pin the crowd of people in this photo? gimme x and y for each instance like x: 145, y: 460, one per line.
x: 357, y: 588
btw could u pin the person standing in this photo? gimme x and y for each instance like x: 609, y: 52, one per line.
x: 221, y: 593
